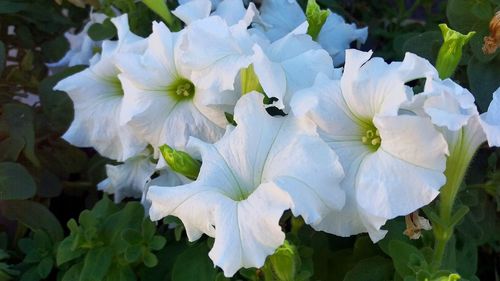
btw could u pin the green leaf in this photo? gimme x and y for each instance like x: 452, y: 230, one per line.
x: 150, y: 259
x: 34, y: 215
x: 371, y: 269
x: 120, y: 273
x: 483, y: 80
x: 54, y: 49
x: 132, y: 236
x: 96, y: 264
x: 403, y: 256
x: 50, y: 185
x: 157, y: 243
x: 10, y: 148
x: 19, y: 120
x: 73, y: 272
x: 45, y: 267
x: 66, y: 252
x: 315, y: 18
x: 160, y: 8
x: 15, y: 182
x: 426, y: 45
x: 56, y: 105
x: 181, y: 162
x: 463, y: 15
x: 133, y: 253
x: 194, y: 265
x: 102, y: 31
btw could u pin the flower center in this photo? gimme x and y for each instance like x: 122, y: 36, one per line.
x: 371, y: 138
x: 181, y: 89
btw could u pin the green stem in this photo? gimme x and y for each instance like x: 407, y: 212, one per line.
x: 457, y: 165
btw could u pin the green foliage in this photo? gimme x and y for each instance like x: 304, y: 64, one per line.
x: 107, y: 241
x: 193, y: 264
x: 15, y: 182
x: 102, y: 31
x: 39, y: 256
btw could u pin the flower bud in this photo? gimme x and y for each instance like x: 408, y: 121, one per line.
x: 181, y: 162
x: 315, y: 18
x: 450, y: 52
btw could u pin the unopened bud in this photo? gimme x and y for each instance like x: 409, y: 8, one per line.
x: 181, y: 162
x: 450, y: 52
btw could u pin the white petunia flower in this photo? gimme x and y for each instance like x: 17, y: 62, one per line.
x: 128, y: 179
x: 452, y: 110
x: 280, y: 17
x: 290, y: 64
x: 82, y: 47
x: 97, y: 96
x: 162, y: 104
x: 394, y: 163
x: 248, y: 179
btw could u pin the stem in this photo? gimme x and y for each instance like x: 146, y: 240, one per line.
x: 457, y: 164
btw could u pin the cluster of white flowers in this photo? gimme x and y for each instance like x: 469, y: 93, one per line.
x: 354, y: 148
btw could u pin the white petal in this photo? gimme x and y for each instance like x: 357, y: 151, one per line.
x: 129, y: 179
x: 249, y: 230
x: 232, y: 11
x: 490, y: 120
x: 390, y: 187
x: 373, y: 87
x: 281, y: 17
x: 215, y: 64
x: 336, y: 36
x: 193, y: 10
x: 413, y: 139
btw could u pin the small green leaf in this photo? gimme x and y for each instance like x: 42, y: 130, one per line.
x: 10, y: 148
x: 45, y: 267
x: 15, y: 182
x: 96, y: 264
x: 102, y: 31
x: 150, y: 259
x: 181, y: 162
x: 133, y: 253
x: 19, y: 120
x: 132, y: 236
x: 315, y: 18
x: 404, y: 257
x: 66, y: 252
x: 157, y: 243
x: 73, y: 272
